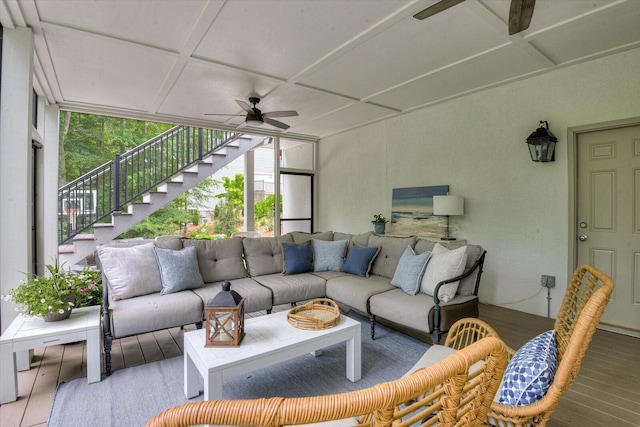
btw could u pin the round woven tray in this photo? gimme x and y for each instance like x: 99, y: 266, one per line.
x: 321, y: 313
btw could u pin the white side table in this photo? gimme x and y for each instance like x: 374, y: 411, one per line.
x: 27, y: 333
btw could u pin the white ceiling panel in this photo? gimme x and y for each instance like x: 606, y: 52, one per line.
x: 105, y: 72
x: 128, y: 20
x: 339, y: 63
x: 283, y: 37
x: 591, y: 34
x: 407, y: 50
x: 208, y: 88
x: 492, y: 68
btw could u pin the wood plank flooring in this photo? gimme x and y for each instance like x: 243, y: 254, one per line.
x: 606, y: 393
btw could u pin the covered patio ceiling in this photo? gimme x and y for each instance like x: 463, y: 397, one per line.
x: 339, y: 63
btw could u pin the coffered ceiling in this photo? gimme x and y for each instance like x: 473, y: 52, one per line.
x: 339, y: 63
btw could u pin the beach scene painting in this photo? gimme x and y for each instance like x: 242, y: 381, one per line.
x: 412, y: 210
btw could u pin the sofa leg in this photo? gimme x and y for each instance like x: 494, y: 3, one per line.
x: 107, y: 354
x: 436, y: 335
x: 269, y: 311
x: 372, y: 320
x: 198, y: 325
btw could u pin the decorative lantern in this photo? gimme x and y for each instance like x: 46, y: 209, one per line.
x: 542, y: 144
x: 224, y: 319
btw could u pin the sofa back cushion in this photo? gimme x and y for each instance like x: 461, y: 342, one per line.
x: 301, y: 236
x: 360, y: 239
x: 391, y: 250
x: 130, y: 271
x: 467, y: 285
x: 263, y: 255
x: 219, y: 259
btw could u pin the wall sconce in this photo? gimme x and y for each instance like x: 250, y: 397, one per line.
x: 542, y: 144
x: 447, y: 206
x: 224, y: 317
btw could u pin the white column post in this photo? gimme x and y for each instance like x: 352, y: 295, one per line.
x: 249, y: 191
x: 48, y: 220
x: 16, y: 174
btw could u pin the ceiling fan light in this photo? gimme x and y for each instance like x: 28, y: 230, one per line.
x: 254, y: 120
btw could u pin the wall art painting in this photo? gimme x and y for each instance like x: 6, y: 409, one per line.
x: 412, y: 210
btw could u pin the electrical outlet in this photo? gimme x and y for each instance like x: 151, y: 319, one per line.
x: 548, y: 281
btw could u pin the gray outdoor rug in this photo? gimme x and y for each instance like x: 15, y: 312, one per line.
x: 132, y: 396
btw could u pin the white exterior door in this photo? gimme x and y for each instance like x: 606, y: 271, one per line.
x: 608, y: 217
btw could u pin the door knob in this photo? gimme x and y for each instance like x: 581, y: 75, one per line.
x: 582, y: 238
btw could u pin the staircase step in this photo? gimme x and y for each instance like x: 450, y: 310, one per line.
x: 84, y: 237
x: 66, y: 249
x: 103, y: 225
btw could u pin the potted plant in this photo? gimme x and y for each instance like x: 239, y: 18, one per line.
x: 379, y: 223
x: 53, y: 296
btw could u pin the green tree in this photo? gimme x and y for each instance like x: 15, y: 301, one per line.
x: 264, y: 212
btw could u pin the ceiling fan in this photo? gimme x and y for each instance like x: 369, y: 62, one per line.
x: 520, y: 13
x: 255, y: 117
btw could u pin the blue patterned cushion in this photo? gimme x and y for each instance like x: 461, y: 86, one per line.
x: 530, y: 372
x: 178, y: 269
x: 329, y: 256
x: 359, y: 259
x: 296, y: 258
x: 411, y: 268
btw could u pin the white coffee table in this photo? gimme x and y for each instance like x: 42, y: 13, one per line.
x: 26, y: 333
x: 268, y: 340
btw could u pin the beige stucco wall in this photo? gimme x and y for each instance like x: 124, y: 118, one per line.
x: 517, y: 209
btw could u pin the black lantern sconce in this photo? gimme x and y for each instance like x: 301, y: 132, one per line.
x: 542, y: 144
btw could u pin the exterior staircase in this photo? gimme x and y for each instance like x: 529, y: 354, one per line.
x: 99, y: 206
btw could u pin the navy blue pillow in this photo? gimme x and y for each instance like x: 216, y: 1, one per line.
x: 296, y: 258
x: 359, y: 259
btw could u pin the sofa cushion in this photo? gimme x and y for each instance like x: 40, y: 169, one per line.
x: 403, y: 309
x: 329, y: 256
x: 178, y: 269
x: 467, y: 285
x: 444, y: 264
x: 130, y: 271
x: 293, y: 288
x: 301, y: 236
x: 530, y: 372
x: 359, y: 259
x: 153, y: 312
x: 361, y: 239
x: 264, y: 255
x: 219, y: 259
x: 391, y: 249
x: 296, y: 258
x: 256, y: 297
x: 411, y: 268
x: 355, y: 291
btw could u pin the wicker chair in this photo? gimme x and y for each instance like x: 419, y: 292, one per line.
x: 460, y: 397
x: 584, y: 302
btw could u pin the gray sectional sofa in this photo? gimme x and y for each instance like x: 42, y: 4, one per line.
x: 147, y: 289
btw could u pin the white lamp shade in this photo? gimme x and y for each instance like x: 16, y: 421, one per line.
x: 448, y: 205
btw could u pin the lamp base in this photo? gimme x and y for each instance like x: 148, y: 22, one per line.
x: 447, y: 238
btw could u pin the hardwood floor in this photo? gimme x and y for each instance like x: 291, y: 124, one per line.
x: 606, y: 393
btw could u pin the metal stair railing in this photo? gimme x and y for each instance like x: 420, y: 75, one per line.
x: 98, y: 194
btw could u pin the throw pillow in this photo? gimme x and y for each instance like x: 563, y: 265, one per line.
x: 178, y: 269
x: 444, y: 264
x: 359, y: 259
x: 131, y: 271
x: 530, y: 372
x: 411, y: 268
x: 296, y: 258
x: 329, y: 256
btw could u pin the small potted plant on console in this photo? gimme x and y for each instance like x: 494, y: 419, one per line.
x: 379, y: 223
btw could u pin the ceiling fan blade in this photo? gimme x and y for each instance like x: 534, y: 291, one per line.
x: 520, y: 15
x: 228, y: 115
x: 288, y: 113
x: 436, y: 8
x: 246, y: 107
x: 276, y: 123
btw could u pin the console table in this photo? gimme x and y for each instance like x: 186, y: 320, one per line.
x: 26, y: 333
